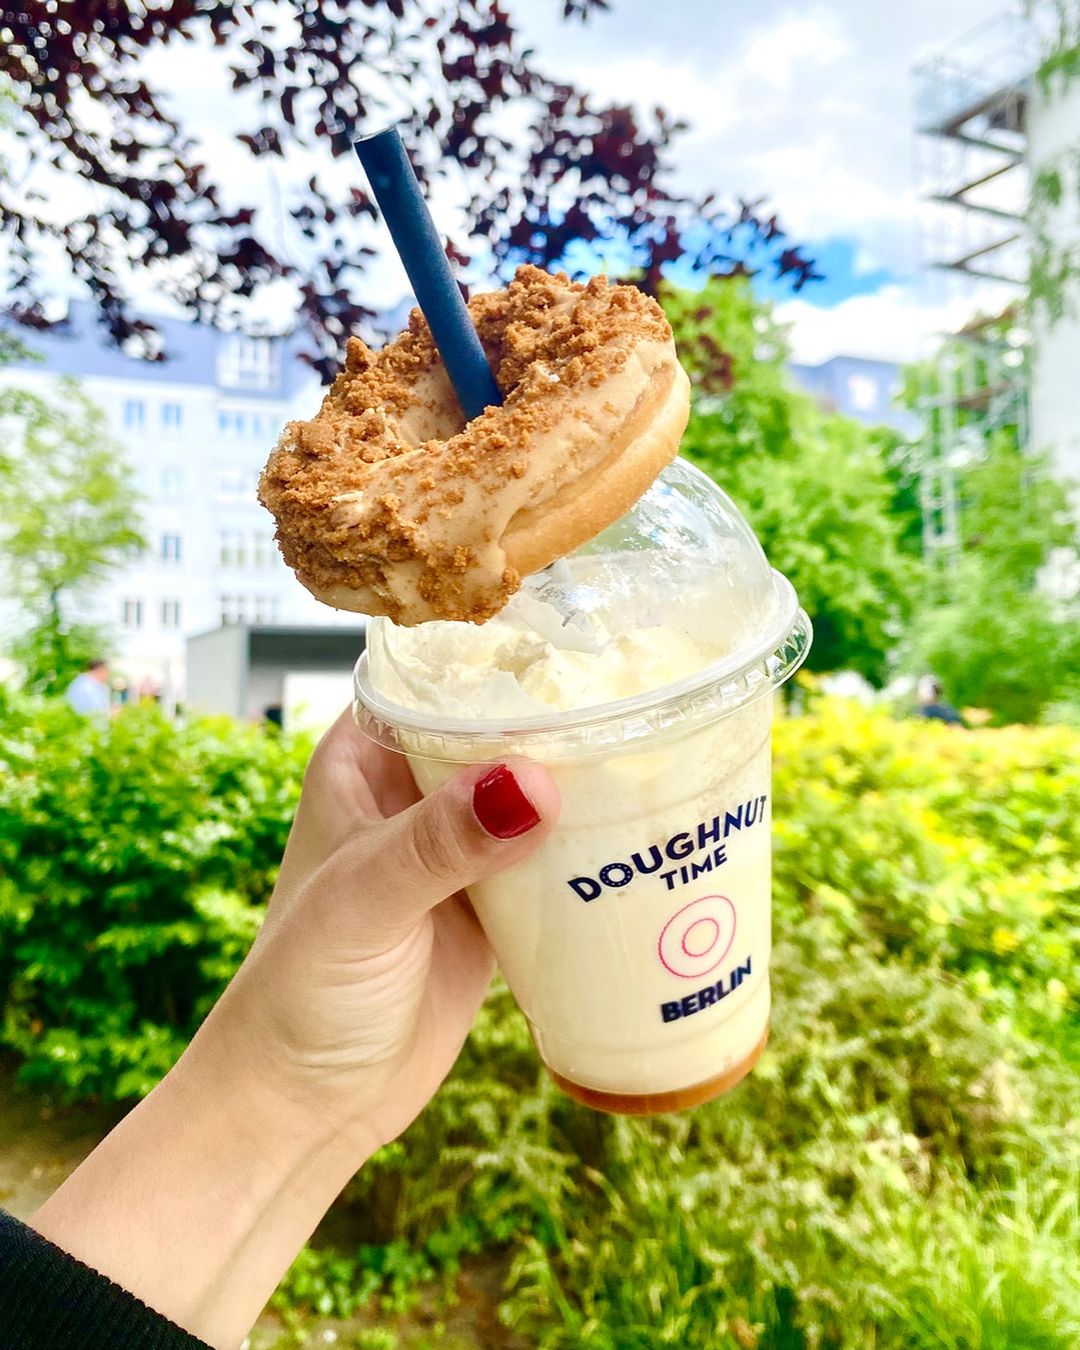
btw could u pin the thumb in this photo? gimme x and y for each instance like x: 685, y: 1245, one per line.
x: 476, y: 824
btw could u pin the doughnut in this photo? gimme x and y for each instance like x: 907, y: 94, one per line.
x: 388, y: 503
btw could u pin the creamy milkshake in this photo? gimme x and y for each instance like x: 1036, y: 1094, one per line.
x: 640, y: 670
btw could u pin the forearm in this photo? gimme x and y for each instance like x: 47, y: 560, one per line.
x: 202, y: 1196
x: 346, y: 1016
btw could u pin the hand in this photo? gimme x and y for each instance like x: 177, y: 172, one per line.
x: 346, y: 1016
x: 371, y: 965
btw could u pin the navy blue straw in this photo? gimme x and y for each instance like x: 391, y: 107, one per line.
x: 397, y: 192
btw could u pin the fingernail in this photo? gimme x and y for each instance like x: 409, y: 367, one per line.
x: 501, y: 807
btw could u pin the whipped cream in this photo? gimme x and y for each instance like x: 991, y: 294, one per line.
x: 505, y: 669
x: 592, y: 630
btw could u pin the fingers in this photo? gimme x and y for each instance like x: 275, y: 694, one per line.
x: 336, y: 770
x: 391, y: 781
x: 473, y: 826
x: 353, y: 766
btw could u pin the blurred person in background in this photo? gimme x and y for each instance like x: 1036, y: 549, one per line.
x: 149, y: 690
x: 933, y: 705
x: 90, y: 693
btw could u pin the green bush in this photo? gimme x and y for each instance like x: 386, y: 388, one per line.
x: 135, y: 859
x: 940, y: 849
x: 899, y: 1172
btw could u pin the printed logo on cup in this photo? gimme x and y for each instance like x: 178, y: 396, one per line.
x: 696, y: 938
x: 695, y: 944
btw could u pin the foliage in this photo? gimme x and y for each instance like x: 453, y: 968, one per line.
x: 984, y: 624
x: 12, y: 349
x: 993, y: 637
x: 1055, y: 255
x: 1013, y: 511
x: 336, y: 1284
x: 999, y: 647
x: 1060, y: 61
x: 309, y: 78
x: 68, y: 515
x: 897, y: 1172
x: 134, y: 861
x: 938, y: 389
x: 940, y: 850
x: 817, y: 487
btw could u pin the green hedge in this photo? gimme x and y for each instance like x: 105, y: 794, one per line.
x: 135, y: 860
x: 899, y: 1171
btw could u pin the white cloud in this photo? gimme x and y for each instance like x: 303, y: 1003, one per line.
x: 810, y: 106
x: 895, y: 324
x: 704, y: 97
x: 777, y: 51
x: 791, y: 107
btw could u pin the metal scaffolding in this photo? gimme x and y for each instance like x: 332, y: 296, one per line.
x: 971, y: 108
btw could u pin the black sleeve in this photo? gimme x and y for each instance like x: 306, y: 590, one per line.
x: 50, y: 1301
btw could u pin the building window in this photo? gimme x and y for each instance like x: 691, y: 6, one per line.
x: 247, y: 362
x: 250, y: 609
x: 170, y: 548
x: 262, y: 550
x: 131, y: 613
x: 230, y: 423
x: 267, y: 608
x: 262, y: 426
x: 254, y: 357
x: 231, y: 551
x: 235, y: 485
x: 170, y: 613
x: 172, y: 415
x: 863, y: 392
x: 172, y: 482
x: 134, y: 412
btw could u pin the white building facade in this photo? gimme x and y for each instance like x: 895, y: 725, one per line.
x: 1054, y: 149
x: 197, y: 428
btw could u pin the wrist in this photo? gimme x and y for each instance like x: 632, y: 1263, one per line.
x: 200, y: 1199
x: 264, y: 1094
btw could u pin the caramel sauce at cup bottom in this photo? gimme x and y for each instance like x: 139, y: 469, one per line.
x: 655, y: 1103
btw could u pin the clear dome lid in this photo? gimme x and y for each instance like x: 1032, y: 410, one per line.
x: 672, y: 613
x: 683, y: 559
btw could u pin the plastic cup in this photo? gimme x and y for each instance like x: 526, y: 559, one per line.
x: 636, y: 939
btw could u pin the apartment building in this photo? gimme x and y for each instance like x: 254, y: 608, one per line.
x: 196, y: 429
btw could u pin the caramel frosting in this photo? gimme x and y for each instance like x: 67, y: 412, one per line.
x: 387, y: 502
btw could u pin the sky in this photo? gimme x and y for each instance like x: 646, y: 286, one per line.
x: 810, y: 105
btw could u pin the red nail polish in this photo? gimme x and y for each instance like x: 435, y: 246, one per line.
x: 500, y: 805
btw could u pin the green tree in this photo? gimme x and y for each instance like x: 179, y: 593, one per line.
x: 986, y: 625
x: 68, y: 518
x: 817, y: 487
x: 986, y: 628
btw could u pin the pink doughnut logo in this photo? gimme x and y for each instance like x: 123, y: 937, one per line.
x: 695, y: 940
